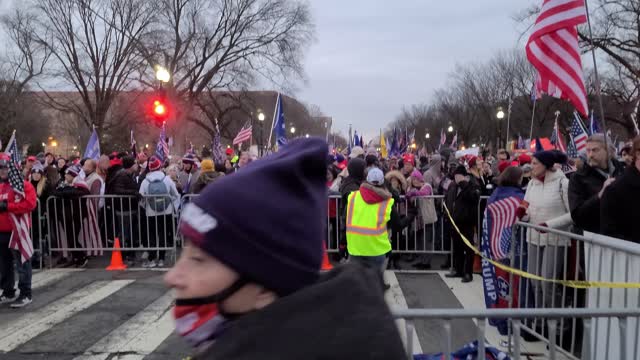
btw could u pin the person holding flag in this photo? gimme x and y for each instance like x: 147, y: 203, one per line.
x: 17, y: 201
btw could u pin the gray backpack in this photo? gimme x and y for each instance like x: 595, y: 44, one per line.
x: 156, y: 202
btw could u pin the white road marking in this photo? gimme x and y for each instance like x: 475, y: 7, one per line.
x: 44, y: 278
x: 33, y: 324
x: 395, y: 298
x: 140, y: 335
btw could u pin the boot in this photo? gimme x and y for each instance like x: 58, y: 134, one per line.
x: 467, y: 278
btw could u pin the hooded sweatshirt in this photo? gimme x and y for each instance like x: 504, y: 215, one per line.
x: 171, y: 189
x: 315, y: 324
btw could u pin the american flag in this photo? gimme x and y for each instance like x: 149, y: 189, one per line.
x: 20, y: 237
x: 162, y: 148
x: 443, y: 137
x: 501, y: 215
x: 243, y: 135
x: 578, y: 133
x: 553, y: 50
x: 557, y: 139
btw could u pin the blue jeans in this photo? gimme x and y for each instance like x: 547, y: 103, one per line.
x: 7, y: 272
x: 377, y: 262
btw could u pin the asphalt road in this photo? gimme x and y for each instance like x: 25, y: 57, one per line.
x: 93, y: 314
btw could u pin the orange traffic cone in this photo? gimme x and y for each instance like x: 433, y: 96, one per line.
x: 116, y: 257
x: 326, y: 265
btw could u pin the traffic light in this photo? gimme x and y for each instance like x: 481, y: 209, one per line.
x: 160, y: 110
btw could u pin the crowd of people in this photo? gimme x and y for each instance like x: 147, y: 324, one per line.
x: 594, y: 195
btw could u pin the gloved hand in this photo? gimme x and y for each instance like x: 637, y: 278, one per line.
x: 521, y: 211
x: 3, y: 206
x: 543, y: 225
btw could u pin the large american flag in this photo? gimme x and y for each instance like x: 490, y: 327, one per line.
x: 578, y: 133
x: 553, y: 50
x: 243, y: 135
x: 501, y: 215
x: 20, y: 236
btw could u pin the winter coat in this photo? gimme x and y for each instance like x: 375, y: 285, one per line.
x: 187, y: 180
x: 619, y: 207
x: 69, y: 207
x: 434, y: 175
x: 203, y: 180
x: 462, y: 201
x: 548, y: 203
x: 395, y: 174
x: 425, y: 204
x: 124, y: 184
x: 23, y: 206
x: 584, y: 186
x: 315, y: 324
x: 172, y: 193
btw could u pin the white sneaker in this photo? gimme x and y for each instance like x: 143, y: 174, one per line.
x: 160, y: 263
x: 151, y: 264
x: 5, y: 299
x: 21, y: 302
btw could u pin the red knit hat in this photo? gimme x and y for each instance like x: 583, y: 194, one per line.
x: 524, y: 159
x: 503, y: 165
x: 154, y: 163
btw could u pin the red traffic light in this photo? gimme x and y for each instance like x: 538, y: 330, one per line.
x: 159, y: 108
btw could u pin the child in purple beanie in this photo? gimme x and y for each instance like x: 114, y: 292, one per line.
x: 248, y: 282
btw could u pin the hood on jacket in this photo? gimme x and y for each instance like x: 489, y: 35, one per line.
x: 395, y: 174
x: 209, y: 176
x: 155, y: 175
x: 373, y: 194
x: 303, y: 324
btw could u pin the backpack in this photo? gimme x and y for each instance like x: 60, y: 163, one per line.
x: 158, y: 203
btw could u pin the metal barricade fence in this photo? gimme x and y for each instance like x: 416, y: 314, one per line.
x: 564, y: 257
x: 624, y: 346
x: 88, y: 225
x: 38, y: 236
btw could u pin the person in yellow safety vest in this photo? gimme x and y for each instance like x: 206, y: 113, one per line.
x: 368, y: 212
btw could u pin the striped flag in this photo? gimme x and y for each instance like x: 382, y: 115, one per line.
x: 553, y: 50
x: 20, y: 236
x: 578, y: 133
x: 243, y: 135
x: 162, y: 148
x: 443, y: 138
x: 501, y: 217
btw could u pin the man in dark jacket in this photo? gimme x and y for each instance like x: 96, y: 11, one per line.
x: 588, y: 183
x: 462, y: 200
x: 619, y: 204
x: 351, y: 183
x: 125, y: 207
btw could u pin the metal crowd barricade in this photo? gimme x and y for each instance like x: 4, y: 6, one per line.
x: 625, y: 345
x: 91, y: 223
x: 423, y: 236
x: 563, y: 256
x: 38, y: 237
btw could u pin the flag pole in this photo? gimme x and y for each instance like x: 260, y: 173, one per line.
x: 273, y: 122
x: 508, y: 120
x: 533, y: 116
x: 597, y: 77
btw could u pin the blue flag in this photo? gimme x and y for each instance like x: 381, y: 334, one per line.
x: 539, y: 146
x: 594, y: 128
x: 93, y: 147
x: 162, y: 148
x: 279, y: 125
x: 356, y: 139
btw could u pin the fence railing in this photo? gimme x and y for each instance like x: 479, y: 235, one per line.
x: 623, y: 346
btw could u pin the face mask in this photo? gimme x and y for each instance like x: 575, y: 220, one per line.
x: 202, y: 319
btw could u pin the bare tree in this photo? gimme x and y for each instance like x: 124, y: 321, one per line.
x: 212, y: 45
x: 95, y: 46
x: 22, y: 62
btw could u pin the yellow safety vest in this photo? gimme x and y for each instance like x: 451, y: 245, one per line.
x: 367, y: 226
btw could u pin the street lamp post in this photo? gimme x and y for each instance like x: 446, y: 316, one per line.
x: 293, y: 131
x: 261, y: 119
x: 500, y: 116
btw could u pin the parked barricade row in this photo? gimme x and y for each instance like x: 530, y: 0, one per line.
x: 88, y: 225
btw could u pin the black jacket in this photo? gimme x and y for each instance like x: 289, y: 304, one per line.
x: 123, y: 183
x: 619, y: 207
x: 584, y: 186
x: 342, y: 317
x: 463, y: 204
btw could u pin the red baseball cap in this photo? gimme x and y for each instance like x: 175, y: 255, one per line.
x: 229, y: 151
x: 32, y: 158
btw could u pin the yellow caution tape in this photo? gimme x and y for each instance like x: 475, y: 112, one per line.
x: 578, y: 284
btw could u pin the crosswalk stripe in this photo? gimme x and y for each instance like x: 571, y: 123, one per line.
x: 140, y: 335
x: 44, y: 278
x: 395, y: 298
x: 33, y: 324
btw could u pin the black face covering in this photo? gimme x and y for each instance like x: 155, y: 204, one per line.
x: 215, y: 298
